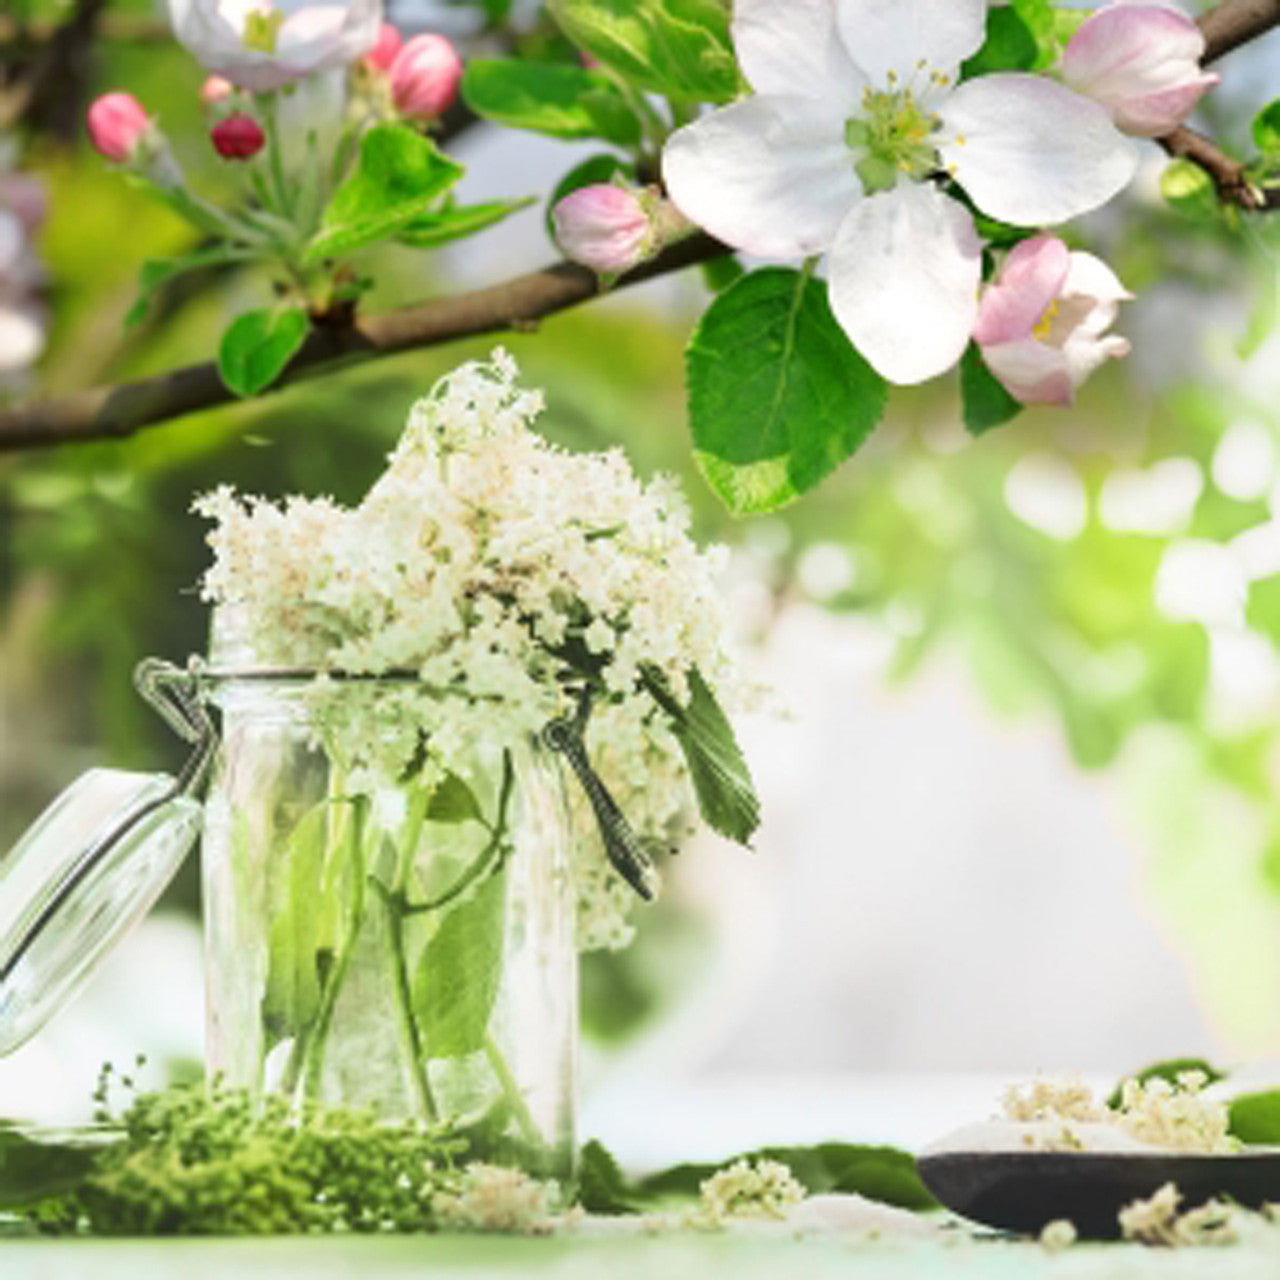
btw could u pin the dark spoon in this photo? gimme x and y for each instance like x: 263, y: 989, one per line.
x: 1023, y: 1190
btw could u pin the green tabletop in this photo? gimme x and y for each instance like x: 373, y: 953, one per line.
x: 743, y: 1256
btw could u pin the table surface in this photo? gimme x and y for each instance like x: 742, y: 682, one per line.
x: 746, y: 1256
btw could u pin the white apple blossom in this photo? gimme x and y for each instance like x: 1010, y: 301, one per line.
x: 856, y: 121
x: 1042, y: 325
x: 261, y: 46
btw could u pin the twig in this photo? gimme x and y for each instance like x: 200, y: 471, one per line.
x: 105, y: 412
x: 1235, y: 22
x: 1229, y: 176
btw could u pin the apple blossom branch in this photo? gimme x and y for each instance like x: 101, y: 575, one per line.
x: 118, y: 411
x: 112, y: 412
x: 1227, y: 27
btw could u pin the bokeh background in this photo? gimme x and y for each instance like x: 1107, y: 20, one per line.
x: 1019, y: 794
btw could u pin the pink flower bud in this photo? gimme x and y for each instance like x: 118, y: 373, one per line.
x: 388, y: 44
x: 237, y: 137
x: 215, y: 90
x: 1042, y: 325
x: 118, y: 125
x: 424, y: 77
x: 604, y: 227
x: 1141, y: 62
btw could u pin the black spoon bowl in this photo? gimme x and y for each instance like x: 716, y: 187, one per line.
x: 1022, y: 1191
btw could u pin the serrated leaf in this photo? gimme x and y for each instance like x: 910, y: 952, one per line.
x: 453, y: 801
x: 680, y: 48
x: 458, y: 221
x: 549, y: 97
x: 778, y: 397
x: 1255, y: 1117
x: 258, y: 345
x: 721, y: 779
x: 458, y: 975
x: 399, y: 178
x: 155, y: 273
x: 986, y: 402
x: 1266, y: 129
x: 1010, y: 45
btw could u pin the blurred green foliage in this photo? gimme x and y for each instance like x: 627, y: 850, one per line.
x: 99, y: 555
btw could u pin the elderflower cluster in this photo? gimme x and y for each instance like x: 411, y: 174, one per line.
x: 1157, y: 1221
x: 1176, y: 1116
x: 489, y: 1197
x: 763, y: 1189
x: 1051, y: 1100
x: 501, y: 571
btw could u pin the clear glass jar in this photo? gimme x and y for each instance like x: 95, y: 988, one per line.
x: 404, y: 946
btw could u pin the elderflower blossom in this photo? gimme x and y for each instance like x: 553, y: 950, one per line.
x: 763, y: 1189
x: 1157, y: 1221
x: 488, y: 1197
x: 494, y: 565
x: 1058, y: 1235
x: 1176, y: 1116
x: 1052, y: 1100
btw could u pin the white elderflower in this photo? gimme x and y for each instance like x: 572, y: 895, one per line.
x: 488, y: 561
x: 1176, y: 1116
x: 763, y: 1189
x: 1157, y: 1221
x: 1058, y: 1235
x: 488, y: 1197
x: 1052, y: 1100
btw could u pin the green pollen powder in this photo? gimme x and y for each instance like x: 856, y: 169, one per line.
x: 891, y: 139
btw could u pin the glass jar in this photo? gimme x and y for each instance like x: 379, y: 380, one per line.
x: 406, y: 944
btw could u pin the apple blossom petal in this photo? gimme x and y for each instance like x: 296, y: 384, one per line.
x: 795, y: 49
x: 890, y: 35
x: 1085, y: 355
x: 1128, y: 48
x: 1155, y: 114
x: 1090, y: 278
x: 1031, y: 371
x: 904, y: 274
x: 1032, y: 276
x: 308, y: 34
x: 770, y: 175
x: 1030, y: 151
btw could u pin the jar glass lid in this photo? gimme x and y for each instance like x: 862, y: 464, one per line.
x: 93, y: 864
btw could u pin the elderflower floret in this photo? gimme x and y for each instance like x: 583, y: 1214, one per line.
x: 1157, y: 1221
x: 1176, y: 1116
x: 1052, y: 1100
x: 489, y: 1197
x: 1058, y: 1235
x: 763, y: 1189
x: 497, y: 567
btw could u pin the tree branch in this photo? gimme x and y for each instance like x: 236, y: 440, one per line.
x: 107, y: 412
x: 1229, y: 176
x: 1235, y: 22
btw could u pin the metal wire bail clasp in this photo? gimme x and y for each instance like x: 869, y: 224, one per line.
x: 174, y: 694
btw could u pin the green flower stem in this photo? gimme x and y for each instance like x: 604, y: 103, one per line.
x: 511, y: 1091
x: 393, y: 905
x: 315, y: 1041
x: 275, y: 154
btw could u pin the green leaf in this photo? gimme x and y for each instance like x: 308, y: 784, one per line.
x: 1189, y: 189
x: 458, y: 975
x: 453, y: 801
x: 986, y: 403
x: 548, y: 97
x: 398, y: 179
x: 157, y: 272
x: 596, y: 169
x: 680, y: 48
x: 258, y: 345
x: 458, y: 221
x: 879, y: 1173
x: 1266, y: 129
x: 302, y: 940
x: 721, y: 779
x: 1169, y: 1069
x: 601, y: 1185
x: 1255, y: 1117
x: 778, y: 397
x: 1010, y: 45
x: 32, y: 1169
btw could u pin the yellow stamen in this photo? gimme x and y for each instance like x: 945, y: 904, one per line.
x: 261, y: 27
x: 1043, y: 329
